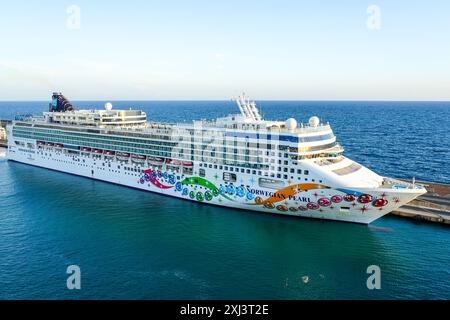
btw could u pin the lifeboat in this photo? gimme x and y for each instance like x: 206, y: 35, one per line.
x: 84, y: 149
x: 173, y: 162
x: 59, y: 145
x: 138, y: 158
x: 157, y: 160
x: 49, y: 144
x: 187, y: 164
x: 97, y: 151
x: 109, y: 153
x: 40, y: 143
x: 123, y: 154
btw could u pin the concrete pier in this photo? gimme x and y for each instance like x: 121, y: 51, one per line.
x: 434, y: 206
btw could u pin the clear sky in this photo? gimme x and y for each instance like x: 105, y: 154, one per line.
x: 214, y: 49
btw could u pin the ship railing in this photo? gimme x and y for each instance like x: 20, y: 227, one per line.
x: 394, y: 183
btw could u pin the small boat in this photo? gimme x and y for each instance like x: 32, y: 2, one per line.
x: 109, y: 152
x: 155, y: 160
x: 84, y: 149
x: 187, y: 164
x: 123, y: 154
x: 173, y: 162
x: 40, y: 143
x: 59, y: 145
x: 97, y: 151
x: 49, y: 144
x: 138, y: 158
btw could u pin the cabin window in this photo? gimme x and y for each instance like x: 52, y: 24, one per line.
x: 306, y: 172
x: 270, y: 183
x: 201, y: 172
x: 229, y: 177
x: 299, y: 171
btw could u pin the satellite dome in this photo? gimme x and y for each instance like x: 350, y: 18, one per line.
x: 291, y: 123
x: 314, y: 121
x: 108, y: 106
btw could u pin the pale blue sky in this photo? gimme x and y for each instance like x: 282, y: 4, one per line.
x: 215, y: 49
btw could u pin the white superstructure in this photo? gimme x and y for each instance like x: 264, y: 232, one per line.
x: 239, y: 161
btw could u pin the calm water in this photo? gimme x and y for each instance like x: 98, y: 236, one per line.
x: 133, y: 244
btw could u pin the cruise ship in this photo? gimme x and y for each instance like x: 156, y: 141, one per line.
x: 239, y: 161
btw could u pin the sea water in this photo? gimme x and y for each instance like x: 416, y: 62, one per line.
x: 131, y: 244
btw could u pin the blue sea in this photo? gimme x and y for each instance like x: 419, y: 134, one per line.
x: 131, y: 244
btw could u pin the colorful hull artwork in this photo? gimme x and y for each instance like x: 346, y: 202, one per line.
x: 296, y: 199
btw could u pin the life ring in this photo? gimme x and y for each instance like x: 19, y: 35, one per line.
x: 365, y: 198
x: 349, y: 198
x: 379, y: 203
x: 336, y: 199
x: 324, y: 202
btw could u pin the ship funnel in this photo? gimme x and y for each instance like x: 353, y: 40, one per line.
x: 60, y: 103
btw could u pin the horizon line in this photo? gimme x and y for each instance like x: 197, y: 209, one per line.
x: 222, y: 100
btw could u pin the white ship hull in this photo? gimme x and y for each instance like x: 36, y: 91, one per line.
x: 309, y: 200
